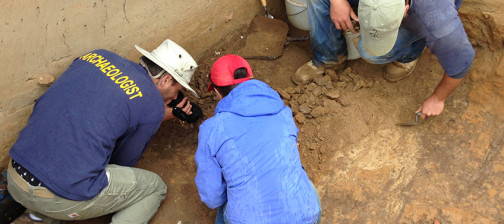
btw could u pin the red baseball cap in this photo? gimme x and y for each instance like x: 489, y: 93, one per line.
x: 222, y: 73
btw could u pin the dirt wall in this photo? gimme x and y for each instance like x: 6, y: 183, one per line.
x: 484, y: 24
x: 39, y: 39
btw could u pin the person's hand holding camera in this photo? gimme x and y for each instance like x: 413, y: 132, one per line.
x: 183, y: 109
x: 182, y: 104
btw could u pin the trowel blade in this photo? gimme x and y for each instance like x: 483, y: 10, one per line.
x: 411, y: 123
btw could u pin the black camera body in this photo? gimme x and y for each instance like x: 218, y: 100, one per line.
x: 180, y: 114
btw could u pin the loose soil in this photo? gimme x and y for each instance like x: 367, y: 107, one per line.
x: 367, y: 170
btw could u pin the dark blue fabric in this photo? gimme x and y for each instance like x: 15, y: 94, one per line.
x: 103, y: 109
x: 439, y: 24
x: 247, y: 156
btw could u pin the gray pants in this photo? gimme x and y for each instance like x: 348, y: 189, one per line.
x: 133, y: 194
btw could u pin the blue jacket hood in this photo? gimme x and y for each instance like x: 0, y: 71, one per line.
x: 260, y: 100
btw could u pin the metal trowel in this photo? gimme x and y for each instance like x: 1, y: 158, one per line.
x: 265, y: 5
x: 411, y: 123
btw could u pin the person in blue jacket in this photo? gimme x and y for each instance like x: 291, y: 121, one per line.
x: 247, y: 157
x: 74, y: 159
x: 393, y: 32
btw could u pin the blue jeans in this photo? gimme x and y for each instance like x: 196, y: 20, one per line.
x: 221, y: 217
x: 328, y: 42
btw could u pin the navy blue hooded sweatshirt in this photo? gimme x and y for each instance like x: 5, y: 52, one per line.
x: 103, y: 109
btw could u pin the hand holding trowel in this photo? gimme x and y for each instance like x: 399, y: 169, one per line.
x: 411, y: 123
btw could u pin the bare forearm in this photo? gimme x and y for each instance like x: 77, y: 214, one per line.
x: 446, y: 87
x: 434, y: 104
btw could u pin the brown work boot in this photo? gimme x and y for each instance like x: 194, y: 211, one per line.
x: 396, y: 71
x: 307, y: 72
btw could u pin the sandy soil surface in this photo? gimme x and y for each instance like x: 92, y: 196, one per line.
x: 367, y: 169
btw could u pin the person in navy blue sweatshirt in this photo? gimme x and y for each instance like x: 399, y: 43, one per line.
x: 74, y: 159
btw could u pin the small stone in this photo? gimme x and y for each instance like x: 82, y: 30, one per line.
x: 300, y: 118
x: 294, y: 106
x: 297, y: 89
x: 294, y: 97
x: 331, y: 73
x: 45, y: 79
x: 344, y: 101
x: 333, y: 94
x: 341, y: 85
x: 361, y: 82
x: 345, y: 78
x: 302, y: 99
x: 317, y: 92
x: 290, y: 90
x: 284, y: 94
x: 352, y: 75
x: 305, y: 109
x: 332, y: 106
x: 311, y: 87
x: 319, y: 111
x: 311, y: 99
x: 322, y: 80
x: 347, y: 70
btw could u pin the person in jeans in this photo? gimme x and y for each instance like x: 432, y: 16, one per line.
x: 74, y: 159
x: 393, y: 32
x: 247, y: 157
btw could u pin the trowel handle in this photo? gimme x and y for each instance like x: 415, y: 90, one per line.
x: 263, y: 2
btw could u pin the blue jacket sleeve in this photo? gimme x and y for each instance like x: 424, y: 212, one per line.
x: 131, y: 145
x: 209, y: 180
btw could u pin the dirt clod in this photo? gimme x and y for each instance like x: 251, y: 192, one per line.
x: 305, y: 109
x: 284, y: 94
x: 323, y: 80
x: 333, y: 94
x: 344, y: 101
x: 300, y: 118
x: 331, y: 73
x: 332, y: 106
x: 319, y: 111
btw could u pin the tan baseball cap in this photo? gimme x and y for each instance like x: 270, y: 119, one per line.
x: 175, y: 60
x: 379, y: 24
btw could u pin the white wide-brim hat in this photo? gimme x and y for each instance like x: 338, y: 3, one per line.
x: 175, y: 60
